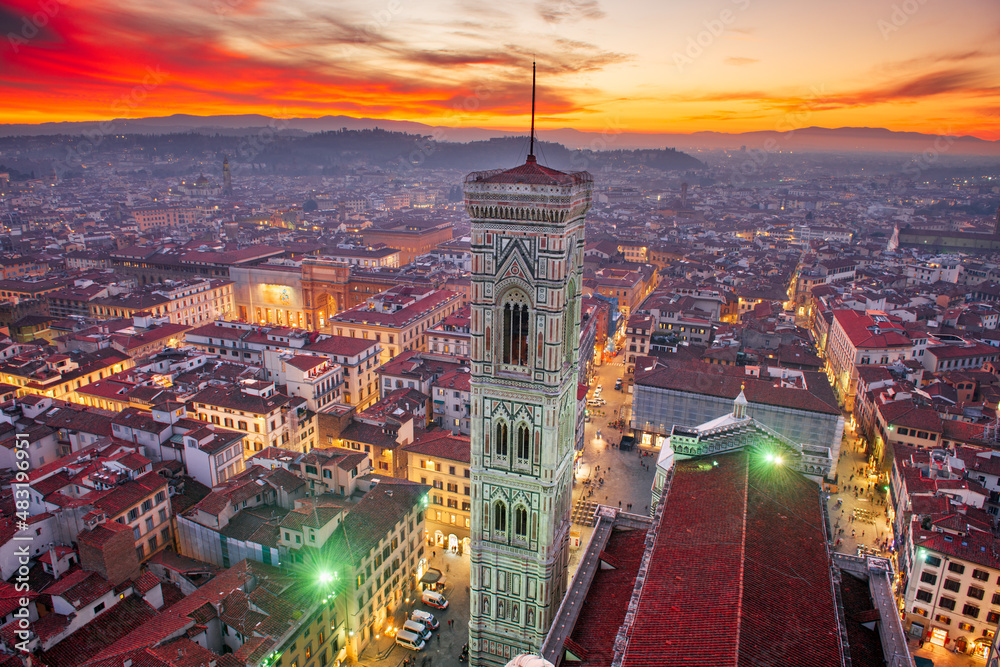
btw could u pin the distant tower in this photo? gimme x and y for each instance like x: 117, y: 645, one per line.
x: 227, y: 178
x: 684, y: 196
x: 527, y: 279
x: 893, y: 243
x: 996, y: 223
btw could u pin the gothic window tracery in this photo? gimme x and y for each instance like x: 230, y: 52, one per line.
x: 523, y: 442
x: 521, y: 522
x: 499, y: 517
x: 515, y: 333
x: 500, y: 445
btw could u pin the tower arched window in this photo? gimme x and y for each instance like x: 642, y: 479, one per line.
x: 523, y: 442
x: 521, y: 522
x: 499, y: 517
x: 514, y: 344
x: 500, y: 442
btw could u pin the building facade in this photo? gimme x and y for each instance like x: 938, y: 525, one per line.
x: 527, y: 259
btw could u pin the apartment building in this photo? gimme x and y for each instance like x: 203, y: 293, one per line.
x: 863, y: 338
x: 398, y: 319
x: 190, y: 302
x: 451, y: 336
x: 953, y: 595
x: 268, y: 347
x: 158, y: 217
x: 268, y: 417
x: 442, y: 460
x: 450, y: 401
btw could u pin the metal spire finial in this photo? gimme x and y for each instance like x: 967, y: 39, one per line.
x: 531, y: 146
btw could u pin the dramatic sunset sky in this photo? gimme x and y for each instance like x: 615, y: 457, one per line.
x: 631, y: 65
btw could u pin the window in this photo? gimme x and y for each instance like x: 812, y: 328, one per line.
x: 956, y: 567
x: 501, y: 439
x: 933, y: 561
x: 149, y: 524
x: 981, y: 575
x: 946, y: 603
x: 976, y: 592
x: 944, y: 620
x: 971, y: 611
x: 925, y: 596
x: 993, y: 617
x: 521, y: 522
x: 514, y: 336
x: 98, y: 608
x: 523, y: 442
x: 928, y: 578
x: 500, y: 517
x: 952, y: 585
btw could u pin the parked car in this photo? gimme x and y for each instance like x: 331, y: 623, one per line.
x: 409, y: 640
x: 426, y: 618
x: 434, y: 599
x: 618, y: 384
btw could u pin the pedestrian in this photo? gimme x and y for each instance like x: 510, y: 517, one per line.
x: 439, y: 640
x: 447, y: 568
x: 434, y: 554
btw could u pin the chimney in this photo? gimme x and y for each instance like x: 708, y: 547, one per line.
x: 54, y: 557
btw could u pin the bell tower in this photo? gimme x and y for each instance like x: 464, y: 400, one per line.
x: 527, y: 260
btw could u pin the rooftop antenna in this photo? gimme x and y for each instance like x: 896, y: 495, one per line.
x: 531, y: 145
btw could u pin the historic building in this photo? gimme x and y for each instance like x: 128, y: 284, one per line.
x: 527, y: 259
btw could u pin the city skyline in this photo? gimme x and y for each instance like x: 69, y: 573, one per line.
x: 727, y: 66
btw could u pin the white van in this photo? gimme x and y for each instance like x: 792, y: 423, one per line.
x: 419, y: 629
x: 434, y: 599
x: 426, y: 618
x: 409, y: 640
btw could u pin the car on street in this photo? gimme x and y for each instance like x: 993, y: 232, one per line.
x: 618, y: 384
x: 434, y: 599
x: 426, y: 618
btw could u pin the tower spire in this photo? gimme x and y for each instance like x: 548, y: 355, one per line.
x: 531, y: 145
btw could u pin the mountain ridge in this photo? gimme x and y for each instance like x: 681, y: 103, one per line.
x: 811, y: 138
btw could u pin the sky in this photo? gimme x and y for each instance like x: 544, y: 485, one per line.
x: 929, y: 66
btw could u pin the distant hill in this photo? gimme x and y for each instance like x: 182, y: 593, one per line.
x: 844, y: 139
x: 300, y: 153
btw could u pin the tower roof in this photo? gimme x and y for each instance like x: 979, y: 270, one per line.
x: 530, y: 173
x: 741, y: 399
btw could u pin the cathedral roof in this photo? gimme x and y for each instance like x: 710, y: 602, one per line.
x: 530, y: 173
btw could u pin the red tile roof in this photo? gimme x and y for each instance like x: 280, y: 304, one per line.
x: 597, y: 625
x: 860, y: 328
x: 739, y: 572
x: 443, y: 445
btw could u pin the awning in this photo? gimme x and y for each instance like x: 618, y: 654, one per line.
x: 431, y: 576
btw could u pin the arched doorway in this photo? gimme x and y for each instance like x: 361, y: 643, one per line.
x: 453, y: 543
x: 466, y: 545
x: 439, y: 538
